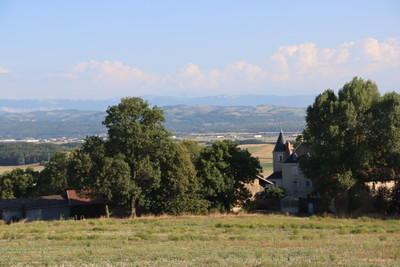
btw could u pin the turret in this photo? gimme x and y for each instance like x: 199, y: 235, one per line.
x: 280, y: 152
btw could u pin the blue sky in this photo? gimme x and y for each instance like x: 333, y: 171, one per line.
x: 112, y: 49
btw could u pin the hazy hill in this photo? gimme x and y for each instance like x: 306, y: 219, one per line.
x: 179, y: 119
x: 51, y: 124
x: 29, y: 105
x: 201, y: 119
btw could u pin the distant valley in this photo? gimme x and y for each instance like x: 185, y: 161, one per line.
x: 180, y: 120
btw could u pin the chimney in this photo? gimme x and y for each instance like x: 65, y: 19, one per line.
x: 288, y: 149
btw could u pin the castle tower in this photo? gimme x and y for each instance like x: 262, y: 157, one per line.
x: 279, y: 153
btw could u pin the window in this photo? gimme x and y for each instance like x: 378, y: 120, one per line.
x: 309, y: 183
x: 295, y: 184
x: 280, y: 157
x: 295, y: 170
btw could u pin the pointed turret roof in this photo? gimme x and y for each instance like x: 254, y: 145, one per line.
x: 280, y: 145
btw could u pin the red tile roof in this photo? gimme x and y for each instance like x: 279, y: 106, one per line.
x: 83, y: 198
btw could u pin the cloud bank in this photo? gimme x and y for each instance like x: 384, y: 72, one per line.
x: 292, y: 69
x: 3, y: 70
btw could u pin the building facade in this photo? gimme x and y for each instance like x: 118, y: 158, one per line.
x: 288, y: 176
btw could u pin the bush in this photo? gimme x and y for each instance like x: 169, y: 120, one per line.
x: 274, y: 192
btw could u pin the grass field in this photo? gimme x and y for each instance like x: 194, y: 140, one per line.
x: 264, y: 153
x: 241, y: 240
x: 35, y: 166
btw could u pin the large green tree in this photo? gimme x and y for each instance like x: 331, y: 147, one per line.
x: 225, y: 169
x: 135, y: 130
x: 92, y: 168
x: 180, y: 187
x: 351, y: 134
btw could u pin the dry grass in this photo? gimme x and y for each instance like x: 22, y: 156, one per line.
x: 35, y: 166
x: 219, y: 240
x: 264, y: 153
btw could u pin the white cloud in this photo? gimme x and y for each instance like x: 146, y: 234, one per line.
x: 3, y: 70
x: 302, y: 68
x: 234, y: 74
x: 63, y: 75
x: 342, y: 56
x: 245, y: 71
x: 113, y: 72
x: 385, y: 52
x: 296, y: 64
x: 294, y: 67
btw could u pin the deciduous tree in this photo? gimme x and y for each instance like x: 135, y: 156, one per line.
x: 354, y: 136
x: 225, y: 169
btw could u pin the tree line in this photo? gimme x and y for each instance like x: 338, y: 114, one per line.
x: 12, y: 154
x: 141, y: 168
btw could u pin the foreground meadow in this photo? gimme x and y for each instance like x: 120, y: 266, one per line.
x: 229, y: 240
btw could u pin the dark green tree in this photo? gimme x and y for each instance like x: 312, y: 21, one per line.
x: 180, y: 188
x: 136, y: 131
x: 225, y: 169
x: 351, y: 134
x: 18, y: 183
x: 53, y: 178
x: 193, y: 148
x: 91, y: 169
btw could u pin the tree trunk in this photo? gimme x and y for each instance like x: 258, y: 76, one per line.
x: 133, y: 208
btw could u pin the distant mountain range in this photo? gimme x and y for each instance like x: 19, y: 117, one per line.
x: 30, y: 105
x: 180, y: 119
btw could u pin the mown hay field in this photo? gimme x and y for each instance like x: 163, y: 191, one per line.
x: 35, y: 166
x: 220, y: 240
x: 264, y: 154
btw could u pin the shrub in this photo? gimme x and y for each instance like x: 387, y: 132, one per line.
x: 274, y: 192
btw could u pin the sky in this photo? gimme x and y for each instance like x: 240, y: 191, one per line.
x: 111, y: 49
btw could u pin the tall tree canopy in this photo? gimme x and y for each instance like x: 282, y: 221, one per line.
x: 135, y: 130
x: 355, y: 136
x: 224, y: 169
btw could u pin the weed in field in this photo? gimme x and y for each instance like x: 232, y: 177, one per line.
x: 379, y: 230
x: 333, y: 257
x: 308, y: 237
x: 323, y: 236
x: 259, y: 254
x: 396, y: 255
x: 343, y: 231
x: 143, y: 236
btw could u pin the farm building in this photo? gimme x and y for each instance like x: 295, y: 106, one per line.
x: 34, y: 209
x: 55, y: 207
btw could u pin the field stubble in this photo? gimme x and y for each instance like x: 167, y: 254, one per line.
x: 221, y: 240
